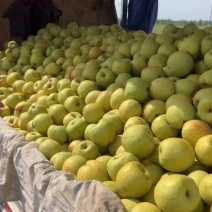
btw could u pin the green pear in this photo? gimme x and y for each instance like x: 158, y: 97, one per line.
x: 102, y: 133
x: 145, y: 206
x: 121, y: 65
x: 162, y: 129
x: 4, y: 92
x: 93, y: 112
x: 204, y: 108
x: 158, y: 60
x: 70, y: 116
x: 86, y: 148
x: 42, y: 122
x: 116, y: 162
x: 190, y: 45
x: 73, y: 163
x: 182, y: 68
x: 13, y: 77
x: 207, y: 59
x: 181, y: 160
x: 200, y: 67
x: 58, y: 133
x: 18, y: 85
x: 36, y: 109
x: 76, y: 128
x: 164, y: 38
x: 129, y: 108
x: 32, y: 136
x: 129, y: 203
x: 185, y: 86
x: 13, y: 99
x: 52, y: 69
x: 49, y: 147
x: 204, y: 188
x: 148, y: 48
x: 93, y: 170
x: 133, y: 180
x: 167, y: 49
x: 141, y: 144
x: 21, y: 107
x: 74, y: 104
x: 152, y: 109
x: 32, y: 76
x: 58, y: 159
x: 137, y: 89
x: 180, y: 112
x: 183, y: 188
x: 206, y: 44
x: 85, y: 87
x: 150, y: 73
x: 57, y: 112
x: 138, y: 64
x: 161, y: 88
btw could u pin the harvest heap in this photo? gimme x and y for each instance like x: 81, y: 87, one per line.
x: 131, y: 110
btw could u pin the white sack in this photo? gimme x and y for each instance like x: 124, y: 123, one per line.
x: 26, y: 175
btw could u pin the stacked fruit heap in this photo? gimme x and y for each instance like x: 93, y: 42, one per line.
x: 131, y: 110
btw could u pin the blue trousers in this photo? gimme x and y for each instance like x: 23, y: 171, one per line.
x: 139, y: 14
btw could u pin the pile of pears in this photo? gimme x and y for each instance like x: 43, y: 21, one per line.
x: 129, y: 109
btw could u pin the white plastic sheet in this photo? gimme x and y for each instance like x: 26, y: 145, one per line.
x: 26, y: 175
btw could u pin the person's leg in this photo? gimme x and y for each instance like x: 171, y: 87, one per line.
x: 153, y: 13
x: 124, y: 14
x: 142, y: 14
x: 138, y: 15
